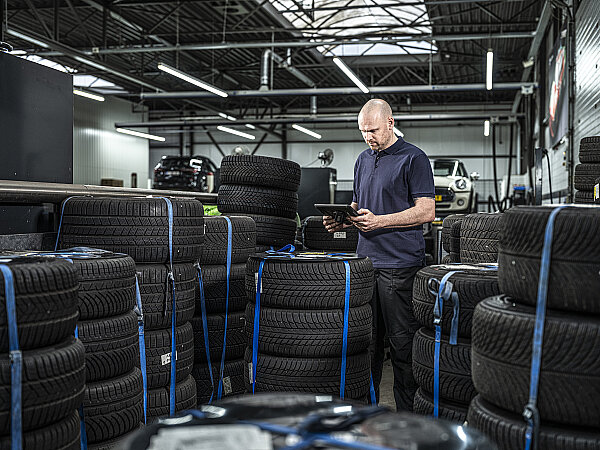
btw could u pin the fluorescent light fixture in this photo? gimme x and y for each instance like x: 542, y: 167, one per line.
x: 252, y: 127
x: 140, y: 134
x: 397, y: 132
x: 28, y: 38
x: 486, y: 128
x: 490, y: 67
x: 18, y: 52
x: 81, y: 93
x: 307, y: 131
x: 236, y: 132
x: 190, y: 79
x: 344, y: 68
x: 227, y: 116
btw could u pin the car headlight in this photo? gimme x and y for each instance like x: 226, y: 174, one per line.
x: 460, y: 184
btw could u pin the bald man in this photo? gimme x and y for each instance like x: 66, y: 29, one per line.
x: 394, y: 194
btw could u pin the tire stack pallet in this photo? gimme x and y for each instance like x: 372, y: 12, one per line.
x: 479, y: 238
x: 297, y: 321
x: 451, y: 237
x: 265, y: 189
x: 164, y: 238
x: 316, y: 237
x: 561, y: 323
x: 588, y: 172
x: 38, y: 313
x: 471, y: 284
x: 224, y: 296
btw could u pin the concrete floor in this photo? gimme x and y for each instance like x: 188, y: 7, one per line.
x: 386, y: 388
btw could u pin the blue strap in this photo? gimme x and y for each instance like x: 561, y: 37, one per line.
x: 530, y: 413
x: 345, y: 332
x: 229, y: 245
x: 372, y: 391
x: 142, y: 344
x: 62, y: 212
x: 256, y: 324
x: 205, y: 330
x: 83, y: 434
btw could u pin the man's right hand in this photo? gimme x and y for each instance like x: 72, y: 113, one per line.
x: 332, y: 226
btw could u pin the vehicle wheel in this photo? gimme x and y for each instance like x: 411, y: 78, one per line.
x: 479, y: 238
x: 185, y: 398
x: 316, y: 237
x: 252, y: 170
x: 257, y: 200
x: 585, y: 176
x: 243, y: 237
x: 454, y: 412
x: 236, y: 336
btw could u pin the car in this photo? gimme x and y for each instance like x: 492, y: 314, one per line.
x: 186, y: 173
x: 454, y: 187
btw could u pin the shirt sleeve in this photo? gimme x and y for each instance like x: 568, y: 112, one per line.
x: 420, y: 179
x: 355, y: 183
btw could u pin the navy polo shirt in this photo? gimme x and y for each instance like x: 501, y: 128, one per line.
x: 387, y: 182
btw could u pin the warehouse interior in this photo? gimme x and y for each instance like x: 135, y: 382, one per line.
x: 162, y: 163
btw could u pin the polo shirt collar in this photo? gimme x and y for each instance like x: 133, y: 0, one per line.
x: 392, y: 149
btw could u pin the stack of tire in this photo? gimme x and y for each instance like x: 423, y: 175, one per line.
x: 503, y: 330
x: 213, y: 263
x: 451, y: 237
x: 316, y: 237
x: 478, y: 237
x: 265, y: 189
x: 588, y: 171
x: 139, y: 227
x: 472, y: 283
x: 301, y: 321
x: 53, y: 361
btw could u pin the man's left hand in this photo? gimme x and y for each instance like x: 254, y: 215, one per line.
x: 367, y: 221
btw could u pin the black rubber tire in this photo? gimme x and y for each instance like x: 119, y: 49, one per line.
x: 276, y: 231
x: 113, y: 407
x: 309, y: 334
x: 314, y: 375
x: 158, y: 355
x: 479, y: 238
x: 111, y: 346
x: 62, y: 435
x: 316, y: 237
x: 153, y: 290
x: 233, y: 380
x: 236, y: 337
x: 45, y: 301
x: 257, y: 200
x: 569, y: 378
x: 264, y: 248
x: 472, y: 284
x: 585, y: 176
x: 455, y: 366
x: 455, y: 239
x: 185, y: 398
x: 574, y: 280
x: 589, y: 150
x: 252, y: 170
x: 135, y: 226
x: 455, y: 257
x: 447, y: 229
x: 507, y: 430
x: 243, y: 239
x: 452, y: 411
x: 447, y: 259
x: 584, y: 197
x: 115, y: 443
x: 310, y: 283
x: 214, y: 279
x: 52, y: 380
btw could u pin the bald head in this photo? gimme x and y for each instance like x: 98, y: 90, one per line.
x: 376, y: 124
x: 376, y: 107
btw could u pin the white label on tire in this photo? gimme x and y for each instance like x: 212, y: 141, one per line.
x: 227, y: 385
x: 166, y: 358
x: 250, y: 372
x: 258, y: 288
x: 339, y: 235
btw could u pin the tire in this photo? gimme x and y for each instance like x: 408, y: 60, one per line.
x: 233, y: 380
x: 52, y: 380
x: 310, y: 334
x: 585, y: 176
x: 113, y: 407
x: 313, y: 375
x: 134, y: 226
x: 455, y: 239
x: 275, y: 231
x: 310, y: 282
x: 243, y: 240
x: 158, y: 355
x: 316, y: 237
x: 251, y: 170
x: 472, y: 284
x: 257, y: 200
x: 455, y: 257
x: 214, y: 280
x: 455, y: 366
x: 185, y: 398
x: 454, y: 412
x: 62, y: 435
x: 584, y: 197
x: 589, y: 150
x: 111, y: 346
x: 479, y: 238
x: 569, y: 380
x: 236, y: 337
x: 507, y: 430
x: 45, y: 302
x: 153, y: 290
x: 574, y: 279
x: 447, y: 259
x: 264, y: 248
x: 117, y: 442
x: 447, y: 229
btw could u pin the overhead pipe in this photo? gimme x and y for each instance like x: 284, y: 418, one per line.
x: 269, y: 55
x: 313, y: 105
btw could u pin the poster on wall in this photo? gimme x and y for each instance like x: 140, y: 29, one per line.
x: 557, y: 84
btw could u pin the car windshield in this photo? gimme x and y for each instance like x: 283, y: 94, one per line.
x: 443, y: 168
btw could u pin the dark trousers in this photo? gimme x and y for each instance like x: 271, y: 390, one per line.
x: 393, y: 314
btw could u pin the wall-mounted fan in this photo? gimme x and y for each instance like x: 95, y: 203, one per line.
x: 326, y: 157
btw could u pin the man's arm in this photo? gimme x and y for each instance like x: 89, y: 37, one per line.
x: 422, y: 212
x: 332, y: 226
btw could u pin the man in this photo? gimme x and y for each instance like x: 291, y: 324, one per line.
x: 394, y: 194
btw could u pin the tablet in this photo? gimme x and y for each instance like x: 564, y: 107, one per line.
x: 338, y: 212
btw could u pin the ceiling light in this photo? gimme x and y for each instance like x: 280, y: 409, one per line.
x: 236, y: 132
x: 486, y: 128
x: 81, y: 93
x: 490, y: 67
x: 28, y: 39
x: 252, y: 127
x: 227, y: 116
x: 397, y: 132
x: 190, y: 79
x: 344, y: 68
x: 17, y: 52
x: 306, y: 131
x: 140, y: 134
